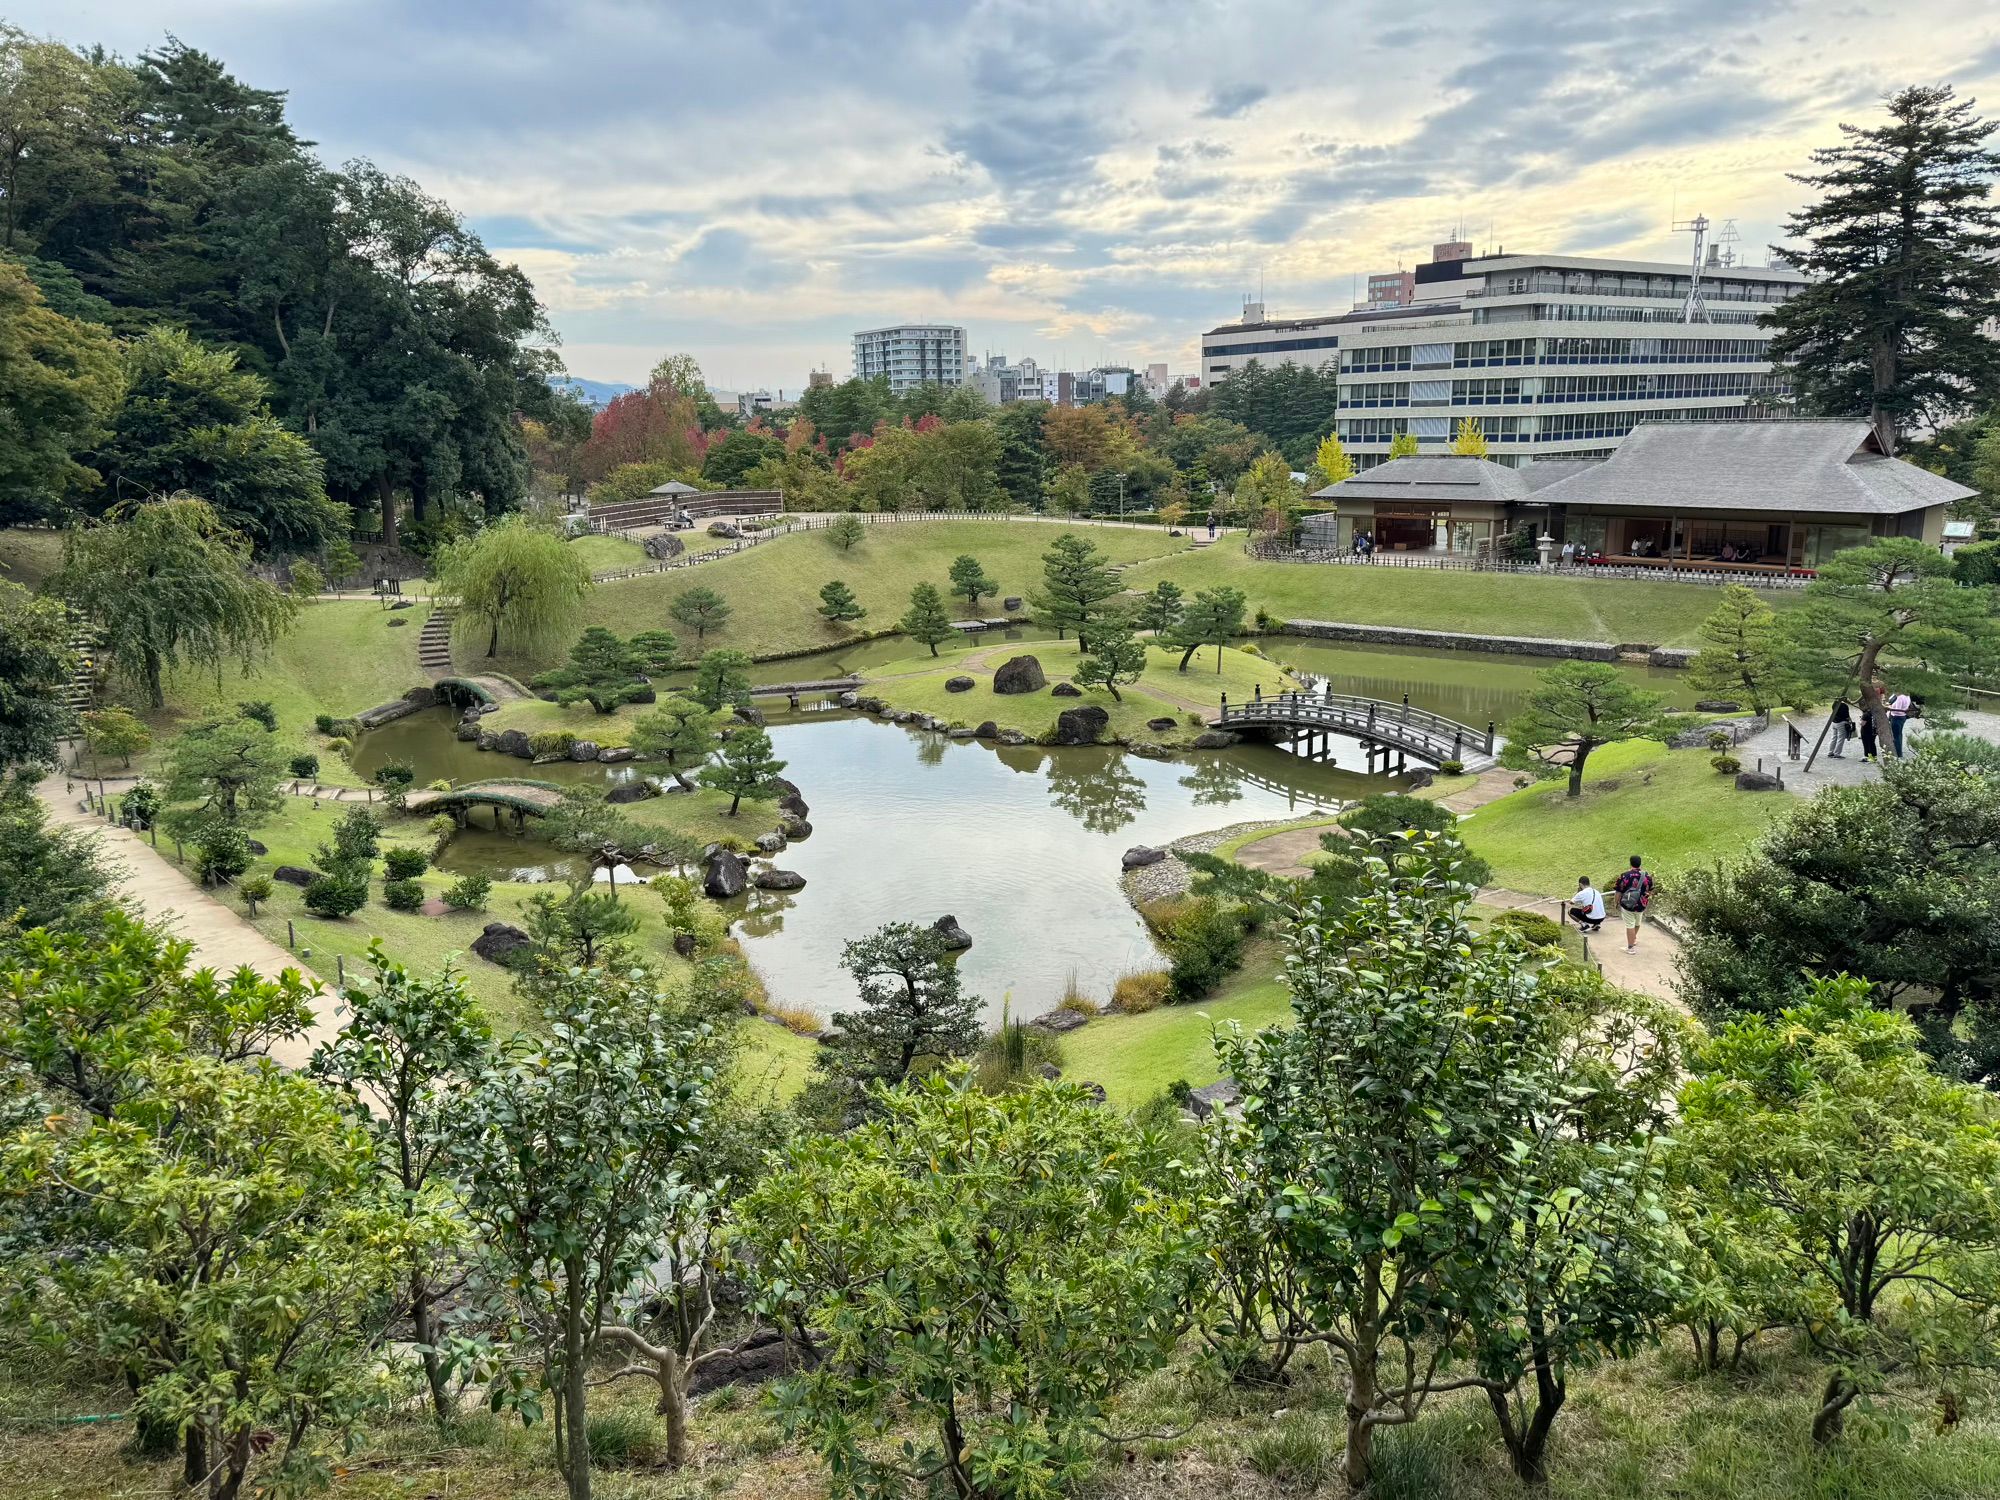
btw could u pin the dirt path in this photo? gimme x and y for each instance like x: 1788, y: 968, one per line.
x: 223, y: 940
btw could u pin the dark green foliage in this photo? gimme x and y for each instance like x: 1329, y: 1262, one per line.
x: 927, y: 620
x: 395, y: 775
x: 1977, y: 565
x: 405, y: 863
x: 1214, y: 617
x: 1536, y: 929
x: 1290, y: 404
x: 1387, y: 827
x: 1575, y: 709
x: 721, y: 680
x: 581, y: 927
x: 140, y: 805
x: 914, y: 1016
x: 326, y: 724
x: 1024, y: 463
x: 229, y: 766
x: 258, y: 711
x: 403, y: 895
x: 49, y: 876
x: 837, y: 604
x: 468, y: 892
x: 701, y: 609
x: 657, y: 650
x: 221, y: 851
x: 603, y: 671
x: 744, y: 767
x: 1113, y: 655
x: 1203, y: 937
x: 338, y: 893
x: 728, y: 460
x: 1076, y: 581
x: 969, y: 581
x: 305, y: 767
x: 1160, y: 609
x: 356, y: 839
x: 35, y: 662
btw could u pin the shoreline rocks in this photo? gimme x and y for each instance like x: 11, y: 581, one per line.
x: 955, y: 937
x: 725, y: 875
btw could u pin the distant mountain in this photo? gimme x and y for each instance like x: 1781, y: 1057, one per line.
x: 598, y: 393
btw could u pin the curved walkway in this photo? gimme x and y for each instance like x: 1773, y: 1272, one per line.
x: 524, y: 796
x: 222, y: 937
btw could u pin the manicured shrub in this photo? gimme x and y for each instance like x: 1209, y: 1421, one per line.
x: 403, y: 895
x: 305, y: 767
x: 1719, y: 740
x: 1531, y: 926
x: 468, y: 893
x: 1143, y: 990
x: 552, y: 742
x: 405, y: 863
x: 253, y: 889
x: 395, y: 775
x: 1204, y: 938
x: 337, y: 895
x: 340, y: 744
x: 221, y: 852
x: 1728, y: 765
x: 258, y: 711
x: 141, y: 805
x: 326, y: 724
x: 1452, y: 768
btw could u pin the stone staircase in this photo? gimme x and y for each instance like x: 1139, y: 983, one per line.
x: 83, y: 644
x: 434, y: 645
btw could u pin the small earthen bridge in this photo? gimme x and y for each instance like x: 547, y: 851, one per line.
x: 1387, y: 731
x: 525, y: 799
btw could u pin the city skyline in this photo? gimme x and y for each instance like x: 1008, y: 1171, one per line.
x: 1085, y: 188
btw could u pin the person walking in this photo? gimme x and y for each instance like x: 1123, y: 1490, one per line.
x: 1211, y: 526
x: 1899, y: 715
x: 1634, y: 890
x: 1586, y: 907
x: 1843, y: 727
x: 1569, y: 554
x: 1868, y: 745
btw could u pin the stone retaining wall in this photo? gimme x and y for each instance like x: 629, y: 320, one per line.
x: 1451, y: 640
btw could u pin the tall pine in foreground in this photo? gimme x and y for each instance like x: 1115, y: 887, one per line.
x: 1903, y: 254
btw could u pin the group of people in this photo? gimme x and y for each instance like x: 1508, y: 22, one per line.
x: 1364, y: 543
x: 1848, y: 715
x: 1632, y: 890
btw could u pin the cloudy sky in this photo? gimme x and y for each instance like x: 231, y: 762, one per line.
x: 1077, y: 181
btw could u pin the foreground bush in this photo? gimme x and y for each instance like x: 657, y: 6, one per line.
x: 993, y: 1267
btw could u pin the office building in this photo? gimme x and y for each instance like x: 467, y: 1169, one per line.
x: 911, y: 354
x: 1389, y: 289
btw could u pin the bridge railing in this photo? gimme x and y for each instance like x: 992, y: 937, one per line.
x: 1365, y: 716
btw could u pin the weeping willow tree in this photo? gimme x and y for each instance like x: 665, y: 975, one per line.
x: 518, y: 578
x: 165, y: 585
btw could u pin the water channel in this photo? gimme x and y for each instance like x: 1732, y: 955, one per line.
x: 1021, y: 844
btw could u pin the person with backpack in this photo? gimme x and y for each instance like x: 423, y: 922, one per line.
x: 1634, y: 890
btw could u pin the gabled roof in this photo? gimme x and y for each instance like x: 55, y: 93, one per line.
x: 1543, y: 472
x: 1830, y: 466
x: 674, y: 487
x: 1442, y: 477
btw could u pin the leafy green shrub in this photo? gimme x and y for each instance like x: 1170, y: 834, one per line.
x: 1534, y: 927
x: 394, y: 775
x: 1451, y: 768
x: 442, y: 784
x: 141, y: 804
x: 1728, y: 765
x: 1977, y: 565
x: 253, y: 889
x: 1145, y: 989
x: 624, y: 1436
x: 259, y: 711
x: 305, y: 767
x: 340, y: 744
x: 337, y: 895
x: 326, y: 724
x: 403, y: 895
x: 1719, y: 740
x: 221, y: 851
x: 1204, y: 938
x: 468, y: 892
x: 405, y: 863
x: 443, y: 829
x: 552, y: 742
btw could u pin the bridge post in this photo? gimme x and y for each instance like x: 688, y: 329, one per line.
x: 1371, y: 713
x: 1225, y: 706
x: 1458, y: 745
x: 1406, y: 708
x: 1489, y: 736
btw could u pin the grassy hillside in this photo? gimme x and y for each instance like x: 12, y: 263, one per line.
x: 28, y: 556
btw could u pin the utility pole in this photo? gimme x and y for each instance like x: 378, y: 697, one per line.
x: 1121, y: 495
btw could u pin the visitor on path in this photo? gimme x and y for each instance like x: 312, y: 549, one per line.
x: 1586, y: 907
x: 1843, y: 727
x: 1899, y: 715
x: 1867, y: 732
x: 1569, y: 554
x: 1635, y: 893
x: 1211, y: 526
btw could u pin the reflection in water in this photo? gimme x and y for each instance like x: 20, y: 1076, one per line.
x: 1103, y: 798
x: 1215, y: 782
x: 931, y: 748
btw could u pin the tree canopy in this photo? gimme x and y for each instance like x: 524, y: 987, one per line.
x: 518, y: 578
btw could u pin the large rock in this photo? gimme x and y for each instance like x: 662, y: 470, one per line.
x: 664, y: 546
x: 612, y: 755
x: 1023, y: 674
x: 770, y: 843
x: 955, y: 937
x: 958, y: 684
x: 629, y: 791
x: 1757, y: 781
x: 515, y: 742
x: 1013, y: 737
x: 295, y: 875
x: 1139, y: 856
x: 1065, y: 690
x: 795, y: 828
x: 1716, y: 705
x: 725, y: 876
x: 779, y: 880
x: 793, y: 805
x: 987, y: 730
x: 584, y: 750
x: 1081, y: 726
x: 1213, y: 739
x: 489, y: 739
x: 468, y: 728
x: 1160, y: 725
x: 1059, y: 1021
x: 1012, y: 604
x: 747, y: 714
x: 1220, y: 1095
x: 500, y: 943
x: 849, y: 699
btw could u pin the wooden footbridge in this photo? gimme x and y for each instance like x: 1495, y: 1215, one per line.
x: 1388, y: 732
x: 523, y: 798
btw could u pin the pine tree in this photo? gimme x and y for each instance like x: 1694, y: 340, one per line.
x: 1903, y: 255
x: 744, y: 767
x: 837, y: 604
x: 926, y: 619
x: 1076, y: 582
x: 969, y: 579
x: 1743, y: 653
x: 1212, y: 618
x: 1114, y: 655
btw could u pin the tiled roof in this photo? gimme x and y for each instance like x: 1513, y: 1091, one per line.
x: 1755, y: 466
x: 1443, y: 477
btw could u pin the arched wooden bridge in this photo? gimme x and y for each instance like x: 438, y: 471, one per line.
x: 1385, y: 730
x: 522, y: 798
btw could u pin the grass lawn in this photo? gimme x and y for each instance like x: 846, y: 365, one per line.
x: 918, y: 683
x: 1601, y: 609
x: 774, y: 589
x: 27, y: 555
x: 601, y: 554
x: 1135, y: 1057
x: 1639, y: 797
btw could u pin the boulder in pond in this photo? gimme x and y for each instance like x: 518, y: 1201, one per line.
x: 489, y: 739
x: 1213, y: 739
x: 848, y: 699
x: 468, y: 730
x: 961, y: 732
x: 958, y: 684
x: 1058, y: 1021
x: 500, y: 943
x: 779, y: 880
x: 584, y: 750
x: 747, y: 714
x: 795, y: 805
x: 1013, y: 737
x: 726, y: 875
x: 1021, y: 674
x: 1757, y: 781
x: 955, y: 937
x: 1716, y: 705
x: 612, y: 755
x: 1081, y: 726
x: 1160, y: 725
x: 770, y: 843
x: 988, y: 730
x: 1139, y: 856
x: 515, y: 742
x: 295, y: 875
x: 629, y: 791
x: 795, y: 829
x: 1065, y: 690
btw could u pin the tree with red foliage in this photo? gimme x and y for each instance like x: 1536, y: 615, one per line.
x: 656, y: 425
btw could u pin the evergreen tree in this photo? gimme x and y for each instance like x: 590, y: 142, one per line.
x: 60, y: 381
x: 744, y: 767
x: 701, y: 609
x: 1575, y: 709
x: 927, y: 620
x: 846, y: 530
x: 603, y: 671
x: 837, y: 604
x: 1075, y: 583
x: 1161, y: 608
x: 913, y: 1010
x: 721, y: 680
x: 969, y: 579
x: 1902, y: 256
x: 35, y: 662
x: 680, y: 731
x: 1114, y: 655
x: 1743, y: 653
x: 1213, y: 618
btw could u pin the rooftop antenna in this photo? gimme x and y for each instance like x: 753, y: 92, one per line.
x: 1695, y: 308
x: 1727, y: 238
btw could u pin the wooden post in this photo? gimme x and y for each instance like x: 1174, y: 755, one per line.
x: 340, y: 969
x: 291, y: 934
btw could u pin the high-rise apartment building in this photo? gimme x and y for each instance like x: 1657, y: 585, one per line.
x: 911, y: 354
